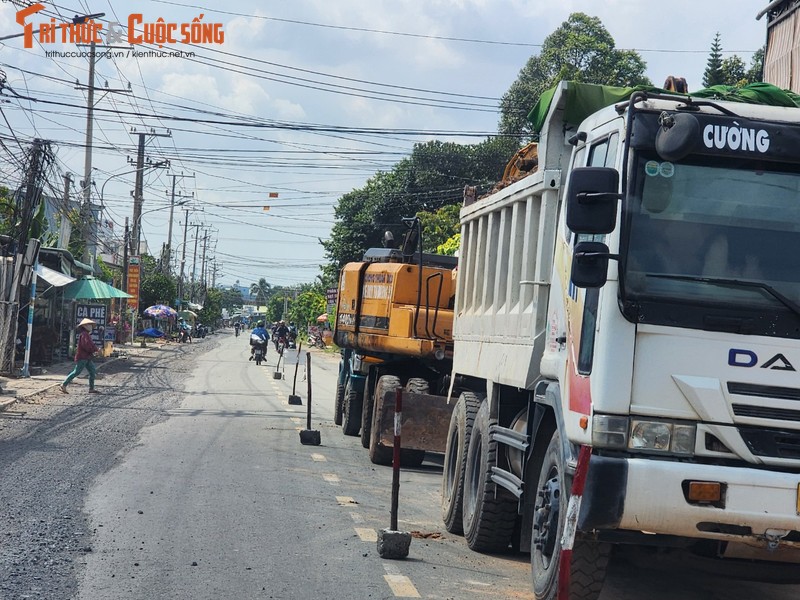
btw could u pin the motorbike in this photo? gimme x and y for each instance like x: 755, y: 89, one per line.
x: 201, y: 331
x: 259, y: 349
x: 316, y: 341
x: 292, y: 342
x: 281, y: 344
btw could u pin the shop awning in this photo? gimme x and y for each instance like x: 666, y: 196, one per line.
x: 89, y: 288
x: 53, y: 277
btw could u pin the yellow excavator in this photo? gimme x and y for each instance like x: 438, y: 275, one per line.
x: 394, y: 323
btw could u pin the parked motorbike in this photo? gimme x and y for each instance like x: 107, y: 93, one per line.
x: 316, y: 341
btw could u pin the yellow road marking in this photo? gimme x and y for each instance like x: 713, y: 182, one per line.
x: 331, y: 478
x: 366, y: 534
x: 318, y: 458
x: 401, y: 586
x: 295, y: 419
x: 346, y: 501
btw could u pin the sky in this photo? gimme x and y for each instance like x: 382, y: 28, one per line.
x: 305, y: 99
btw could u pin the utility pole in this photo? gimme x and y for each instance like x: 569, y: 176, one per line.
x: 203, y: 268
x: 66, y: 225
x: 183, y: 255
x: 138, y: 193
x: 194, y: 260
x: 171, y: 211
x: 87, y: 216
x: 86, y: 206
x: 123, y: 302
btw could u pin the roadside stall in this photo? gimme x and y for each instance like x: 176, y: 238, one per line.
x: 90, y: 298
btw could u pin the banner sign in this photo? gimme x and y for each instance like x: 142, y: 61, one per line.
x: 134, y: 278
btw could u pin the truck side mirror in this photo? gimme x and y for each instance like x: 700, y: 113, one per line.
x: 590, y: 264
x: 592, y: 200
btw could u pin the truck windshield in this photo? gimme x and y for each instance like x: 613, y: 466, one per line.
x: 705, y: 221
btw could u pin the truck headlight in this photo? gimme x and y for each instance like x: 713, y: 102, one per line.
x: 611, y: 431
x: 662, y: 436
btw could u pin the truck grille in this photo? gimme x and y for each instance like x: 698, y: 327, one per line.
x: 763, y: 391
x: 766, y: 412
x: 773, y: 443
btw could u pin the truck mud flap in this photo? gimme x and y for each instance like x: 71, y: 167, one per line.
x: 423, y: 425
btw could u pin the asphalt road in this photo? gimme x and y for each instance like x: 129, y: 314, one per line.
x: 187, y: 480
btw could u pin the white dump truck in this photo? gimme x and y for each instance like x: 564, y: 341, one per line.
x: 627, y: 339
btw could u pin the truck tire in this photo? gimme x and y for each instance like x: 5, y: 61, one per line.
x: 417, y: 385
x: 378, y: 454
x: 589, y: 559
x: 366, y: 413
x: 455, y: 460
x: 339, y: 406
x: 351, y: 409
x: 489, y: 513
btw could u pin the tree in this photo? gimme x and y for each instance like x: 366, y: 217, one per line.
x: 439, y: 226
x: 231, y: 298
x: 261, y: 291
x: 308, y: 306
x: 450, y: 246
x: 713, y: 74
x: 212, y: 308
x: 156, y: 288
x: 581, y: 49
x: 432, y: 177
x: 733, y: 71
x: 275, y: 306
x: 756, y: 71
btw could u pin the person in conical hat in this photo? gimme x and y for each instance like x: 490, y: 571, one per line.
x: 84, y: 353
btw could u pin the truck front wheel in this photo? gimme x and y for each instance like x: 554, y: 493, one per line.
x: 455, y: 460
x: 351, y: 411
x: 589, y: 561
x: 489, y: 513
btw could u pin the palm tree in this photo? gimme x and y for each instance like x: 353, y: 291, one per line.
x: 261, y: 291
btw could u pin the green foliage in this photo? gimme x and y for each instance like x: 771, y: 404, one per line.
x: 232, y: 297
x: 308, y: 306
x: 439, y: 226
x: 450, y: 246
x: 108, y: 274
x: 581, y: 49
x: 714, y: 75
x: 433, y: 176
x: 156, y: 288
x: 275, y: 306
x: 262, y: 291
x: 733, y: 71
x: 212, y: 307
x: 755, y: 73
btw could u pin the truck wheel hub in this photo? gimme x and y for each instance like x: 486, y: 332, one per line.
x: 545, y: 522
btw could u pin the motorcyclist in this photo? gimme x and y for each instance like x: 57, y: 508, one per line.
x: 185, y: 330
x: 259, y: 335
x: 281, y: 333
x: 292, y: 335
x: 236, y: 328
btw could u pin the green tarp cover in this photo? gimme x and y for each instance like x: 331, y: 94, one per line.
x: 583, y: 99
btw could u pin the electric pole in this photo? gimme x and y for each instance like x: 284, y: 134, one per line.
x: 183, y: 255
x: 171, y: 211
x: 194, y: 260
x: 138, y: 193
x: 87, y: 216
x: 66, y: 225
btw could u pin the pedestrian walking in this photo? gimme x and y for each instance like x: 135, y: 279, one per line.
x: 83, y: 356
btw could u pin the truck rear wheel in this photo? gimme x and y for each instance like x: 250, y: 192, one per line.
x: 379, y: 454
x: 587, y: 569
x: 351, y: 410
x: 489, y: 514
x: 455, y: 460
x: 339, y: 406
x: 366, y: 413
